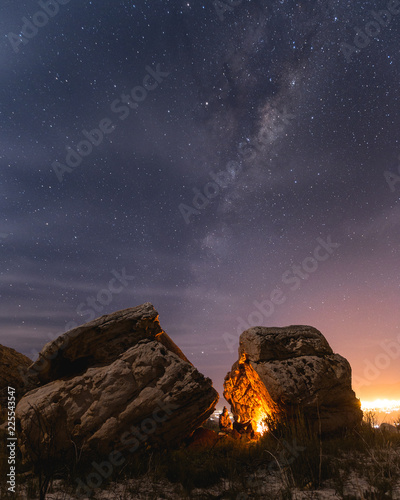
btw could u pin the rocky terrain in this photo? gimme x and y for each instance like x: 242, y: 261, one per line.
x: 286, y: 371
x: 13, y: 366
x: 114, y: 409
x: 117, y: 383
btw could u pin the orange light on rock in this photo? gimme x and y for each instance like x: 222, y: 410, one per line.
x: 262, y: 427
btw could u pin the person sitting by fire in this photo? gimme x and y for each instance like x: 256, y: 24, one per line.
x: 225, y: 423
x: 244, y: 428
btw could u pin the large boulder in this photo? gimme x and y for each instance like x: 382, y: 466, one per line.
x: 283, y: 372
x: 13, y: 366
x: 116, y: 383
x: 99, y: 342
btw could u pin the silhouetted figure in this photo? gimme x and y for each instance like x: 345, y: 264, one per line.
x: 244, y: 428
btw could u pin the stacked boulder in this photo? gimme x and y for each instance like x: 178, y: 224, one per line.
x: 115, y: 383
x: 284, y: 372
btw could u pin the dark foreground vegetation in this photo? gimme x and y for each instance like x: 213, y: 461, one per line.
x: 288, y: 462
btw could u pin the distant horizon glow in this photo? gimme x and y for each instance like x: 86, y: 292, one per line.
x: 385, y: 405
x: 252, y: 181
x: 379, y: 404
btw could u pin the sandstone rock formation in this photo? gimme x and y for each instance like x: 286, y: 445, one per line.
x: 389, y: 428
x: 225, y: 424
x: 100, y: 341
x: 112, y: 384
x: 283, y: 371
x: 203, y: 438
x: 13, y: 367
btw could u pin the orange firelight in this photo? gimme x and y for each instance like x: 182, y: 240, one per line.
x: 262, y: 427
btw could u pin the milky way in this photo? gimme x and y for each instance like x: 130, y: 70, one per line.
x: 201, y: 152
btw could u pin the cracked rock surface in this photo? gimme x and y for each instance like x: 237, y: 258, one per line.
x: 283, y: 371
x: 115, y: 384
x: 13, y: 366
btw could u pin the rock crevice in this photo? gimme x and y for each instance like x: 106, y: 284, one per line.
x: 96, y: 383
x: 283, y: 371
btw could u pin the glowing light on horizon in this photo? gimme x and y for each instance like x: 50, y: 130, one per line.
x: 387, y: 405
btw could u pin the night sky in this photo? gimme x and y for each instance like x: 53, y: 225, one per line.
x: 118, y: 119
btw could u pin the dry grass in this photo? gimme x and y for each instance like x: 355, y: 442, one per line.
x: 289, y: 462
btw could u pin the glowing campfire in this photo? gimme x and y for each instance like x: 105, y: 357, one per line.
x: 249, y: 398
x: 262, y: 427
